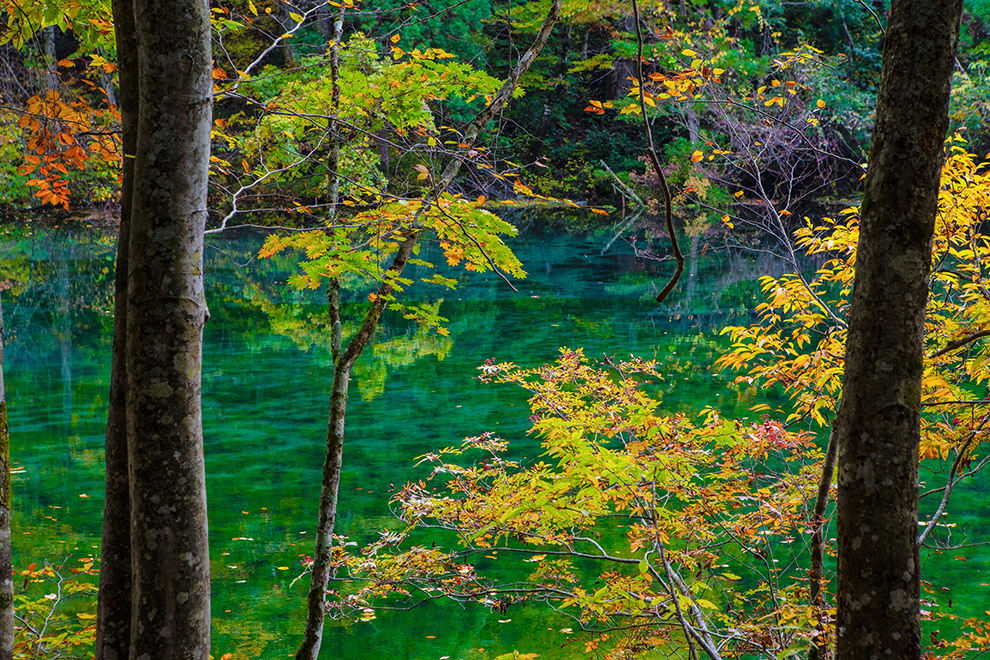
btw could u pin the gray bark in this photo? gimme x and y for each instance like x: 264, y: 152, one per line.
x: 47, y: 36
x: 878, y: 425
x: 113, y: 613
x: 166, y: 89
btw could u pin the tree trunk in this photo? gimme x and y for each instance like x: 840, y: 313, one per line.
x: 113, y: 613
x: 330, y: 489
x: 878, y: 424
x: 47, y: 36
x: 6, y: 566
x: 343, y: 362
x: 166, y: 89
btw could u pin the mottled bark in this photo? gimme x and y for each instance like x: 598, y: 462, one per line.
x: 878, y: 425
x: 113, y: 613
x: 166, y: 72
x: 6, y: 567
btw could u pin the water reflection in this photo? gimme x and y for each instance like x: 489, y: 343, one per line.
x: 266, y: 380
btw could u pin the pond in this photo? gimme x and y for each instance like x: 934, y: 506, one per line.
x: 266, y: 380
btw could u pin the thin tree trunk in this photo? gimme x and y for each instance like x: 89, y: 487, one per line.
x: 692, y: 125
x: 165, y: 314
x: 113, y: 612
x: 316, y: 601
x: 63, y: 267
x: 878, y: 424
x: 333, y: 164
x: 6, y: 565
x: 47, y: 36
x: 819, y: 650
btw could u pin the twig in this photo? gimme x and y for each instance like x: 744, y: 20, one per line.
x: 667, y: 202
x: 626, y: 190
x: 959, y: 343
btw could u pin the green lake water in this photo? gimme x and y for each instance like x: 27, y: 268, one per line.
x: 266, y: 379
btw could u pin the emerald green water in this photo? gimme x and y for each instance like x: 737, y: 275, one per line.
x: 266, y: 380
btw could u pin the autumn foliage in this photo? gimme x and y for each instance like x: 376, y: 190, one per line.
x: 653, y: 531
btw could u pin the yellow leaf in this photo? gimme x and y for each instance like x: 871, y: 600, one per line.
x: 296, y: 17
x: 820, y: 103
x: 85, y: 617
x: 697, y: 157
x: 395, y: 38
x: 689, y: 53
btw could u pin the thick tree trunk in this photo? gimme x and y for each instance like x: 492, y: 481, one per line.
x: 878, y: 423
x: 155, y: 601
x: 113, y: 614
x: 166, y: 311
x: 6, y: 566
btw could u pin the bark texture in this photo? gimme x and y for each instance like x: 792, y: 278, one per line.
x: 113, y: 613
x: 155, y: 593
x: 878, y: 424
x: 6, y: 566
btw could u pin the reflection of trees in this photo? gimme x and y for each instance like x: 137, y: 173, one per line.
x: 398, y: 352
x: 246, y: 295
x: 60, y: 278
